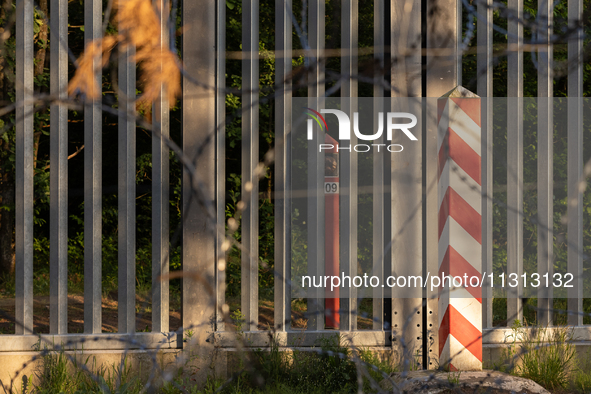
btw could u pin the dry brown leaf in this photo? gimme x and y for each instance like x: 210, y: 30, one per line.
x: 139, y: 26
x: 138, y: 23
x: 95, y: 56
x: 160, y: 69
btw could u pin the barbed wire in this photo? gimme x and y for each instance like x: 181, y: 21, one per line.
x: 199, y: 190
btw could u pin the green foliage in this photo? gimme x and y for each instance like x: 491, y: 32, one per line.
x: 544, y: 355
x: 238, y: 319
x: 327, y: 368
x: 384, y: 363
x: 266, y: 141
x: 76, y: 166
x: 54, y: 376
x: 7, y: 284
x: 299, y: 250
x: 548, y: 358
x: 59, y: 373
x: 271, y: 364
x: 581, y: 376
x: 330, y: 370
x: 335, y: 372
x: 453, y: 378
x: 183, y: 384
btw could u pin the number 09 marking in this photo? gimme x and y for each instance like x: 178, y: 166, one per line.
x: 331, y: 187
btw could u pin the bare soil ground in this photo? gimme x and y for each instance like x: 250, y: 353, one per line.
x: 143, y: 315
x: 76, y: 315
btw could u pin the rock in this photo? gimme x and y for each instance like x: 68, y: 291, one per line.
x: 480, y: 382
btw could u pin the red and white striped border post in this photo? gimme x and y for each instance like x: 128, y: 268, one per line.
x: 460, y: 230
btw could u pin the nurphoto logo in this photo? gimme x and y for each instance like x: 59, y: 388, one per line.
x: 393, y: 122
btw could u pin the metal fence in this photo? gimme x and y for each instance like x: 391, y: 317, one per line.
x: 418, y: 47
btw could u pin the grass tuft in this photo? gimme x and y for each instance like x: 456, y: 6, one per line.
x: 59, y: 374
x: 544, y: 355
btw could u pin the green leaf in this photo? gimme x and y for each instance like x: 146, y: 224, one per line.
x: 229, y: 5
x: 81, y: 28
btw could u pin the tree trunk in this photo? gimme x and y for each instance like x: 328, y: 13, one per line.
x: 36, y: 138
x: 42, y: 40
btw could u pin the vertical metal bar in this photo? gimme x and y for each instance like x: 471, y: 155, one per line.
x: 387, y: 21
x: 24, y: 168
x: 160, y: 193
x: 381, y: 171
x: 441, y: 77
x: 315, y: 229
x: 93, y: 11
x: 545, y: 160
x: 283, y: 66
x: 316, y: 28
x: 430, y: 230
x: 250, y: 158
x: 459, y: 41
x: 484, y: 71
x: 442, y: 49
x: 220, y: 149
x: 575, y: 162
x: 406, y: 181
x: 378, y: 165
x: 379, y: 38
x: 407, y: 228
x: 515, y: 158
x: 406, y: 57
x: 58, y: 184
x: 126, y: 191
x: 315, y: 220
x: 199, y: 124
x: 349, y: 43
x: 348, y: 175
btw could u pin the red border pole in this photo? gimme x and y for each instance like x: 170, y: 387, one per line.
x: 460, y: 230
x: 331, y: 251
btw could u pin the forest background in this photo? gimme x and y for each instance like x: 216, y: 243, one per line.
x: 42, y: 166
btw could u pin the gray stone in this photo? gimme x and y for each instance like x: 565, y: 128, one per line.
x: 434, y: 382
